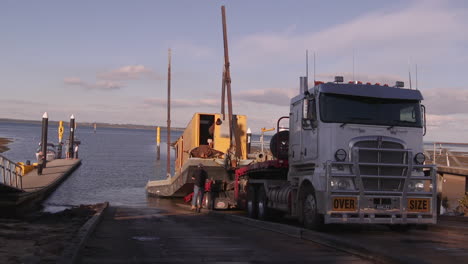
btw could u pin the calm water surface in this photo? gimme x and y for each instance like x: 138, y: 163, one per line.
x: 116, y: 163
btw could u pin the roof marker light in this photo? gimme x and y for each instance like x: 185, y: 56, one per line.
x: 368, y: 83
x: 377, y: 83
x: 339, y: 79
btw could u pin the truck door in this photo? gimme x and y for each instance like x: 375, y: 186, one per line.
x: 309, y: 130
x: 295, y: 128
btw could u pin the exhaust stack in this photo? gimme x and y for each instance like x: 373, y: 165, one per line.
x: 303, y: 85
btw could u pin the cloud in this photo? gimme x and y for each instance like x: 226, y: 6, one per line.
x: 439, y: 120
x: 281, y: 97
x: 421, y: 29
x: 100, y: 85
x: 446, y: 101
x: 74, y: 81
x: 182, y: 103
x: 130, y: 72
x: 363, y: 77
x: 193, y: 50
x: 114, y: 79
x: 271, y: 96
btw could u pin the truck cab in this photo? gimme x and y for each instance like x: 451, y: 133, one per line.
x: 356, y: 155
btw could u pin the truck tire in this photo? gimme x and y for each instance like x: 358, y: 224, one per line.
x: 208, y: 200
x: 262, y: 202
x: 310, y: 216
x: 252, y: 209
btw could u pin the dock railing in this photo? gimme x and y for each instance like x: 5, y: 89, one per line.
x: 446, y: 154
x: 11, y: 173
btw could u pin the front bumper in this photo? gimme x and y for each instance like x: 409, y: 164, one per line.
x: 397, y: 207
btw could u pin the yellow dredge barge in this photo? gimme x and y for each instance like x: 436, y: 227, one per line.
x: 205, y: 140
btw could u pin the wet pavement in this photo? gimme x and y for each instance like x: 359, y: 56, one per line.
x: 446, y: 242
x: 169, y: 233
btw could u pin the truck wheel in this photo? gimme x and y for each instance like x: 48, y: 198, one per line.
x: 208, y: 201
x: 310, y: 216
x: 252, y: 208
x: 262, y: 201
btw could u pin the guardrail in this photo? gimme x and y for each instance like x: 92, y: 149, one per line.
x: 443, y: 154
x: 10, y: 173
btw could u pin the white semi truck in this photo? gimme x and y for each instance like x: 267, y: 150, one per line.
x: 353, y: 154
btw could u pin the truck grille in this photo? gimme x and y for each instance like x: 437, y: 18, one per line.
x: 371, y: 151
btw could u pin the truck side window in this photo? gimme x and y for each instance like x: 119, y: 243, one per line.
x: 309, y: 114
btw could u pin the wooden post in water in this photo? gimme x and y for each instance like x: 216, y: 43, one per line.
x: 43, y: 157
x: 158, y: 143
x: 168, y: 160
x: 60, y: 137
x: 71, y: 139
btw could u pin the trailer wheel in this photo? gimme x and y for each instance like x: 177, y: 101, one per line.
x: 252, y: 209
x: 310, y: 216
x: 262, y: 201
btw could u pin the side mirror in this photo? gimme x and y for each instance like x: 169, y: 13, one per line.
x: 309, y: 116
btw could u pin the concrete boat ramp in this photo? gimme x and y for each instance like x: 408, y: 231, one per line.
x: 171, y: 233
x: 166, y: 231
x: 19, y: 193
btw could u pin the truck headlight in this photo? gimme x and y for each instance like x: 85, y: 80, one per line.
x: 342, y: 184
x: 419, y: 158
x: 416, y: 186
x: 340, y: 155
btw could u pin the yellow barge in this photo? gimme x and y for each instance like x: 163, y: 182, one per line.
x: 206, y: 140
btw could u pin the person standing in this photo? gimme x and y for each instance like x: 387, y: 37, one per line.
x: 199, y: 178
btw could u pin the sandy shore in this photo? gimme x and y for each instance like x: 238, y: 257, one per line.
x: 40, y: 238
x: 3, y: 144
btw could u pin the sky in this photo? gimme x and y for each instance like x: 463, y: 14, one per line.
x: 106, y: 61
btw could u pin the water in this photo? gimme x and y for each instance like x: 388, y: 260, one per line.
x: 451, y: 147
x: 116, y: 163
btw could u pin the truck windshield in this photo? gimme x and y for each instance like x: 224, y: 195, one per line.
x: 338, y: 108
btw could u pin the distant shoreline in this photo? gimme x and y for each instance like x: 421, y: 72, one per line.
x: 87, y: 124
x: 3, y: 144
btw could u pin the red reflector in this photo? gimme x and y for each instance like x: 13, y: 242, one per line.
x: 359, y: 82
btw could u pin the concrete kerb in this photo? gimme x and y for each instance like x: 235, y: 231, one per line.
x: 72, y: 248
x: 352, y: 247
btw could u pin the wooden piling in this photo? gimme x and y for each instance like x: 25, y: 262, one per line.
x: 168, y: 153
x: 158, y: 143
x: 71, y: 140
x: 45, y: 127
x: 60, y: 137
